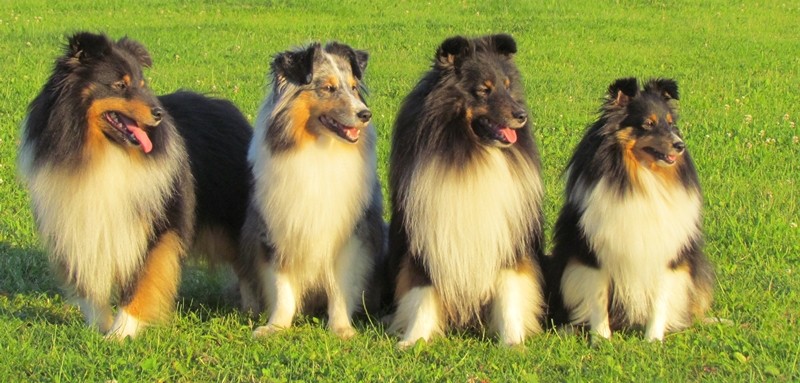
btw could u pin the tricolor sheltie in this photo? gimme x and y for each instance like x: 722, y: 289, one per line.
x: 117, y: 193
x: 627, y: 248
x: 314, y: 229
x: 466, y: 229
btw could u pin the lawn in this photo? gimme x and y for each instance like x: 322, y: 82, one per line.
x: 738, y: 68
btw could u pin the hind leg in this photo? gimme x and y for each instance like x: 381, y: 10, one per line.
x: 282, y: 300
x: 585, y: 293
x: 518, y: 304
x: 153, y: 297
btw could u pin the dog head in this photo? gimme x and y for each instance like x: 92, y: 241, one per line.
x: 107, y: 77
x: 647, y: 126
x: 483, y: 71
x: 322, y: 90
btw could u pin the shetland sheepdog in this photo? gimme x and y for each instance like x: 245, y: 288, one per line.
x: 314, y: 229
x: 628, y: 240
x: 120, y: 181
x: 465, y: 238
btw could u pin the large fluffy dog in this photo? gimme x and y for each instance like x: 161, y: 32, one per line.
x: 110, y: 171
x: 466, y: 228
x: 628, y: 239
x: 315, y: 226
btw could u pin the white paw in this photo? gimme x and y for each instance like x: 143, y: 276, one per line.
x: 264, y: 331
x: 124, y: 326
x: 344, y: 332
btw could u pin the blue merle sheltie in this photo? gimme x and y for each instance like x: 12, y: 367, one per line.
x: 122, y: 182
x: 465, y: 236
x: 314, y: 229
x: 628, y: 240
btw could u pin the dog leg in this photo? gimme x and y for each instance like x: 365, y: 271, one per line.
x: 419, y: 314
x: 585, y: 292
x: 671, y: 306
x: 344, y: 292
x: 517, y: 305
x: 153, y: 297
x: 96, y: 314
x: 283, y: 302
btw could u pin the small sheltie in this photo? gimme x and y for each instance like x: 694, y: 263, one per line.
x: 628, y: 241
x: 121, y: 181
x: 465, y: 238
x: 314, y: 229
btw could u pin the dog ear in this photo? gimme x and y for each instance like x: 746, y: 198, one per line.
x: 452, y: 52
x: 296, y: 66
x: 136, y: 49
x: 667, y: 88
x: 83, y: 47
x: 504, y: 44
x: 621, y: 91
x: 359, y: 62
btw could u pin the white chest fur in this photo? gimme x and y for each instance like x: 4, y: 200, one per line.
x: 467, y: 221
x: 96, y: 220
x: 311, y: 198
x: 637, y: 234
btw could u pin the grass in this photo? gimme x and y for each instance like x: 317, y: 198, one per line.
x: 738, y: 69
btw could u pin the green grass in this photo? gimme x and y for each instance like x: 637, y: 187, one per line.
x: 738, y: 69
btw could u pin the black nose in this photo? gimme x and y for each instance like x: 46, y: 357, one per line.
x: 364, y: 115
x: 520, y: 115
x: 157, y: 113
x: 679, y: 146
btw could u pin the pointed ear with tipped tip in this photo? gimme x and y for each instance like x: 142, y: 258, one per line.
x: 83, y: 47
x: 137, y: 50
x: 359, y: 63
x: 623, y: 90
x: 504, y: 44
x: 452, y: 52
x: 667, y: 88
x: 296, y: 66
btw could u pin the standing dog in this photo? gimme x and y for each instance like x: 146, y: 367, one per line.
x: 628, y: 239
x: 314, y: 227
x: 112, y: 185
x: 466, y: 228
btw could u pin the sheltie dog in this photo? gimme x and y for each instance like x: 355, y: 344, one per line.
x: 121, y: 181
x: 628, y: 240
x: 466, y: 231
x: 314, y: 229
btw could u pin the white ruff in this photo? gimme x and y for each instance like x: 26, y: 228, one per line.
x: 636, y: 235
x: 311, y: 198
x: 467, y: 221
x: 96, y: 221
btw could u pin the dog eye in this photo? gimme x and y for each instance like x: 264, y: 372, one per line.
x: 119, y: 85
x: 329, y: 88
x: 647, y: 124
x: 483, y: 91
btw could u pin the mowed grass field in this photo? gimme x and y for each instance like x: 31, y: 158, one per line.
x: 738, y: 68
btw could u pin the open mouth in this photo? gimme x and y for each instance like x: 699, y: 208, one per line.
x: 667, y: 158
x: 348, y: 133
x: 129, y: 130
x: 496, y: 132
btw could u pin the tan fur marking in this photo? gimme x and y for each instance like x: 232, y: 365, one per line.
x: 669, y: 118
x: 631, y: 156
x: 157, y: 286
x: 126, y: 79
x: 403, y: 281
x: 300, y: 112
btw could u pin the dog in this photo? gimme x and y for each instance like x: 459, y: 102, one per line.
x: 465, y: 236
x: 122, y: 182
x: 314, y: 230
x: 628, y: 240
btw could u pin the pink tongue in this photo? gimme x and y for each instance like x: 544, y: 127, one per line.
x: 672, y: 157
x: 509, y: 134
x: 137, y: 132
x: 352, y: 133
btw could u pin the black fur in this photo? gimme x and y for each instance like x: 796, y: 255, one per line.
x: 438, y: 119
